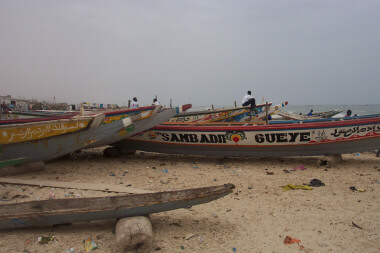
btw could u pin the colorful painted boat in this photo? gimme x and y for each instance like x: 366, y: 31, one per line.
x: 229, y: 114
x: 111, y: 116
x: 14, y: 133
x: 95, y: 134
x: 62, y: 211
x: 255, y: 115
x: 43, y: 149
x: 306, y: 139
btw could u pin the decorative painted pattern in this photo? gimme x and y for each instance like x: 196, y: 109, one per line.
x: 20, y: 134
x: 112, y: 118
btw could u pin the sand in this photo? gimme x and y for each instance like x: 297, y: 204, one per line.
x: 256, y: 217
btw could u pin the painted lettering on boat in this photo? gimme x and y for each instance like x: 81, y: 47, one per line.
x: 194, y: 138
x: 282, y: 137
x: 355, y: 130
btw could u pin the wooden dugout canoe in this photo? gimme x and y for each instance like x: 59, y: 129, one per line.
x: 306, y: 139
x: 60, y: 211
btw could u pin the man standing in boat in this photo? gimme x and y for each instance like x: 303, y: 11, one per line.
x: 134, y: 103
x: 155, y: 102
x: 249, y: 100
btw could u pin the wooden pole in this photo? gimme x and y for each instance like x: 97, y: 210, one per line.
x: 129, y: 103
x: 212, y: 107
x: 266, y: 113
x: 235, y: 103
x: 171, y: 103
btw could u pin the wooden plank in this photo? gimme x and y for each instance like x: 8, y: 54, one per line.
x: 72, y: 185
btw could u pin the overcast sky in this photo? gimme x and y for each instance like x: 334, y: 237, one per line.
x: 199, y: 52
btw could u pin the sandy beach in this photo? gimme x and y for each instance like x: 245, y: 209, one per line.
x: 256, y: 217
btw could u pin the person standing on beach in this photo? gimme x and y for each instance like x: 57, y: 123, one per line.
x: 249, y: 100
x: 134, y: 103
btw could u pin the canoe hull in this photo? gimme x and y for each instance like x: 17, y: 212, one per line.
x: 53, y: 147
x: 327, y: 149
x: 321, y: 138
x: 60, y: 211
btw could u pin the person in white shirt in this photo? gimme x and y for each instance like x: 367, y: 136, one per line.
x: 249, y: 100
x: 155, y: 102
x: 134, y: 103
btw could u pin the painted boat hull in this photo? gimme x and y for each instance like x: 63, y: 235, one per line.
x: 53, y: 147
x: 60, y: 211
x: 308, y: 139
x: 14, y: 133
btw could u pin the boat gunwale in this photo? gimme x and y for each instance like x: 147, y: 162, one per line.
x: 39, y: 119
x: 288, y: 126
x: 218, y: 110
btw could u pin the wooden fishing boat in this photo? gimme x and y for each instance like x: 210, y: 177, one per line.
x: 306, y: 139
x: 46, y: 113
x: 14, y: 133
x: 53, y: 146
x: 95, y: 134
x: 229, y: 114
x: 279, y: 121
x: 318, y: 115
x: 238, y: 114
x: 327, y: 114
x: 61, y: 211
x: 254, y: 116
x: 111, y: 116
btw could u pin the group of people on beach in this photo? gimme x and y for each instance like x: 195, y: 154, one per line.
x: 5, y: 108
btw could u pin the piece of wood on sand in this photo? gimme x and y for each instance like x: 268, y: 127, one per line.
x: 74, y: 185
x: 330, y: 161
x: 134, y: 234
